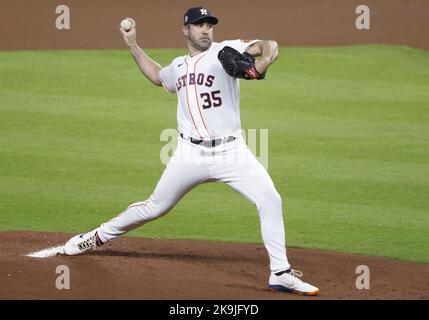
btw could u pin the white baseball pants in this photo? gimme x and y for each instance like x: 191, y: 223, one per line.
x: 232, y: 163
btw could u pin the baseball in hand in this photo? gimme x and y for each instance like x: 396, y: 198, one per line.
x: 126, y: 24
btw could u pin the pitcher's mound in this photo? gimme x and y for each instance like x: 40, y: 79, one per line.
x: 141, y: 268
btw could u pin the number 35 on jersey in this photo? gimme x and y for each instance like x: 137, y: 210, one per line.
x: 209, y: 99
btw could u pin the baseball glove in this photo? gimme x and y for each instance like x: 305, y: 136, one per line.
x: 239, y: 65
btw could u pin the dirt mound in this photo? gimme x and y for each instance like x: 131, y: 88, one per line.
x: 140, y: 268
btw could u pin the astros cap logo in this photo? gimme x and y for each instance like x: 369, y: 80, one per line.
x: 199, y: 14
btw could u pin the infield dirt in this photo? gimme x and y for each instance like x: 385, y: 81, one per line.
x: 94, y: 24
x: 141, y: 268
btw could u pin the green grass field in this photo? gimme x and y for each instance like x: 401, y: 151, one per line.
x: 348, y: 141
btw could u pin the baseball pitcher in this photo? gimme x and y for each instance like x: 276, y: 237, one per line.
x: 210, y: 145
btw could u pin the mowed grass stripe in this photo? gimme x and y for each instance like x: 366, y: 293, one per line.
x: 348, y: 147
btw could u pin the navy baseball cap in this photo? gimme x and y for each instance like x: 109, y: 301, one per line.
x: 199, y: 14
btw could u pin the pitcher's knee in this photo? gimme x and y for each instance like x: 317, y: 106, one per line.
x: 149, y: 209
x: 277, y: 198
x: 270, y: 200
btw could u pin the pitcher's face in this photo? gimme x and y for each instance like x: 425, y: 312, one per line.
x: 200, y: 35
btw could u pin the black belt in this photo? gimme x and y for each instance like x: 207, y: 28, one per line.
x: 209, y: 143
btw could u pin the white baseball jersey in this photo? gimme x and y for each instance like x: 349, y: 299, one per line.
x: 208, y: 99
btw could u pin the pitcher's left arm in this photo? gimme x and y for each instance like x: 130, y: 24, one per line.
x: 268, y: 50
